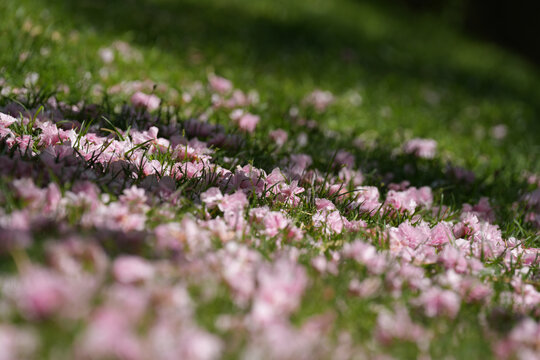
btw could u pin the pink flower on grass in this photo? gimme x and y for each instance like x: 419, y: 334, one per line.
x: 133, y: 196
x: 233, y: 203
x: 237, y: 99
x: 53, y: 197
x: 274, y: 222
x: 106, y: 55
x: 188, y: 169
x: 355, y: 225
x: 211, y: 197
x: 283, y: 341
x: 319, y: 99
x: 142, y: 100
x: 279, y: 136
x: 16, y: 343
x: 170, y: 339
x: 337, y: 190
x: 274, y: 179
x: 331, y: 221
x: 233, y: 207
x: 7, y: 134
x: 288, y: 193
x: 482, y: 210
x: 6, y: 120
x: 196, y: 344
x: 324, y: 205
x: 281, y: 286
x: 258, y: 214
x: 239, y: 265
x: 109, y: 335
x: 26, y: 190
x: 441, y: 234
x: 42, y: 293
x: 521, y: 343
x: 248, y: 122
x: 322, y: 265
x: 52, y: 135
x: 409, y: 199
x: 344, y: 158
x: 474, y: 291
x: 132, y: 269
x: 355, y: 177
x: 532, y: 199
x: 300, y: 162
x: 220, y: 84
x: 423, y: 148
x: 365, y: 254
x: 118, y: 216
x: 367, y: 199
x: 398, y: 326
x: 25, y: 143
x: 366, y: 288
x: 499, y: 132
x: 437, y: 302
x: 453, y: 258
x: 407, y: 235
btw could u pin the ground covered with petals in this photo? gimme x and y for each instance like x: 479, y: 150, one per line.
x: 147, y: 219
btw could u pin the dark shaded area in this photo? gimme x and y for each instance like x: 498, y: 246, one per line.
x: 514, y: 25
x: 313, y: 47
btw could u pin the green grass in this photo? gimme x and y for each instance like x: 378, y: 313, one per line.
x: 415, y: 75
x: 395, y: 75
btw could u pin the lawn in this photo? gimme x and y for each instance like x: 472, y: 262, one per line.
x: 264, y: 179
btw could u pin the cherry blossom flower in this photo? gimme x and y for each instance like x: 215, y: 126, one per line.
x: 248, y: 122
x: 132, y: 269
x: 142, y: 100
x: 279, y: 136
x: 17, y: 343
x: 220, y: 84
x: 319, y: 99
x: 41, y: 293
x: 398, y: 326
x: 281, y: 286
x: 211, y: 197
x: 6, y: 120
x: 423, y: 148
x: 132, y: 226
x: 440, y: 302
x: 367, y: 199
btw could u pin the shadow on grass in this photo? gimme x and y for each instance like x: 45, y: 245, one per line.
x: 318, y: 49
x: 390, y: 52
x: 330, y: 48
x: 380, y: 164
